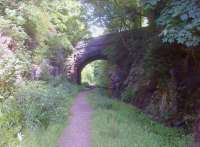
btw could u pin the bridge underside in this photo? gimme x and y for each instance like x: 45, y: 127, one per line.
x: 86, y: 52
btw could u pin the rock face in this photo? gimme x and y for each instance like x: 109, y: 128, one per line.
x: 174, y: 101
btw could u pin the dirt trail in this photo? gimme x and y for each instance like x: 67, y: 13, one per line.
x: 77, y: 134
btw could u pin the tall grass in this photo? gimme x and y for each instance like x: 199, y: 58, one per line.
x: 44, y: 137
x: 45, y: 106
x: 115, y: 124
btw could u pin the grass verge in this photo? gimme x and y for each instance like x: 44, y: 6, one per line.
x: 54, y: 100
x: 115, y: 124
x: 47, y: 137
x: 44, y: 137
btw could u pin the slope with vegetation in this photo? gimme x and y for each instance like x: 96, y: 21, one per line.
x: 35, y: 38
x: 115, y: 124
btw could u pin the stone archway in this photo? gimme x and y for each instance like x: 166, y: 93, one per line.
x: 92, y: 49
x: 87, y: 51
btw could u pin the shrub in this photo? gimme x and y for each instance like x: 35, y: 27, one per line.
x: 34, y: 105
x: 11, y: 67
x: 45, y: 103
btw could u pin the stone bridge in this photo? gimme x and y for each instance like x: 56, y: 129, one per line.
x: 92, y: 49
x: 87, y: 51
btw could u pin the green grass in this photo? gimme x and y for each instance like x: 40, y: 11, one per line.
x: 44, y: 137
x: 115, y: 124
x: 47, y: 137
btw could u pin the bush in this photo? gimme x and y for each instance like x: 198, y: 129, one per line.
x: 34, y: 105
x: 45, y: 103
x: 11, y: 67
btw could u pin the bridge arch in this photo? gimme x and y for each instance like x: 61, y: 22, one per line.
x: 87, y: 51
x: 93, y: 49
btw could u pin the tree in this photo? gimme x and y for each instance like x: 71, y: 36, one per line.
x: 118, y: 15
x: 179, y: 20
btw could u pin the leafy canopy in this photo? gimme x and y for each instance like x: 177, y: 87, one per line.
x: 179, y: 19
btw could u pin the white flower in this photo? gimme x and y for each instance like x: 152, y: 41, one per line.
x: 20, y: 136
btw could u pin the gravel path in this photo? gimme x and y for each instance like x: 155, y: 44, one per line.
x: 77, y: 134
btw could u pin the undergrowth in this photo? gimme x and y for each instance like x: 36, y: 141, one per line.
x: 115, y: 124
x: 48, y: 109
x: 37, y: 113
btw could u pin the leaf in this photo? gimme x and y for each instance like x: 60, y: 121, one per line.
x: 184, y: 17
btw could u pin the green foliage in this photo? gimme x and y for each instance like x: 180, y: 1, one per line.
x: 96, y: 73
x: 46, y: 103
x: 56, y: 43
x: 38, y: 29
x: 57, y: 94
x: 34, y: 24
x: 31, y: 31
x: 11, y: 67
x: 37, y: 23
x: 68, y: 18
x: 31, y: 34
x: 118, y: 15
x: 13, y: 30
x: 101, y: 72
x: 10, y: 122
x: 115, y: 124
x: 180, y: 20
x: 128, y: 94
x: 87, y: 75
x: 35, y: 105
x: 44, y: 137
